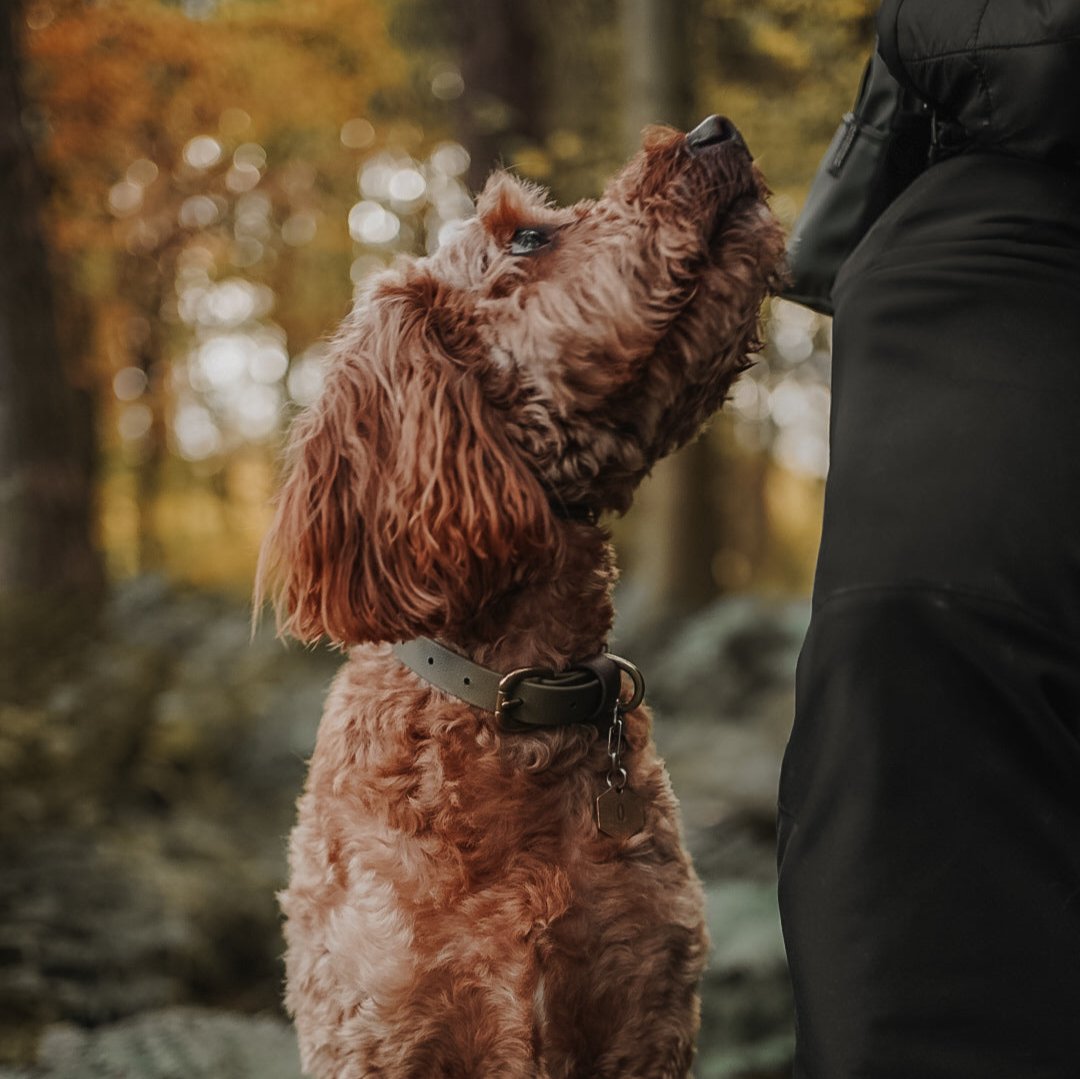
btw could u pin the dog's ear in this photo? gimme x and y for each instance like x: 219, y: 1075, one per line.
x: 405, y: 511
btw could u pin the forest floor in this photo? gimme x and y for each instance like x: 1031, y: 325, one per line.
x: 149, y: 764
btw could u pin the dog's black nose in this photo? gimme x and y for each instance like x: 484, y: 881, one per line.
x: 712, y: 131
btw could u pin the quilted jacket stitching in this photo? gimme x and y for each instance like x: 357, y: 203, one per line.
x: 1042, y: 43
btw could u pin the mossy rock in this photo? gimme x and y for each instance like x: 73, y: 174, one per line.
x: 177, y: 1043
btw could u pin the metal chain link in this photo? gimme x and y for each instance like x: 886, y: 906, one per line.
x: 616, y: 777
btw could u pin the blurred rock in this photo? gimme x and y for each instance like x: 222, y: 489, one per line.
x: 149, y: 765
x: 722, y: 690
x: 84, y: 936
x: 178, y: 1043
x: 746, y: 997
x: 723, y: 770
x: 731, y: 660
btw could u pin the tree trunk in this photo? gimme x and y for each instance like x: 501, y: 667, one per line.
x: 46, y: 428
x: 659, y: 89
x: 502, y: 99
x: 673, y: 522
x: 141, y: 282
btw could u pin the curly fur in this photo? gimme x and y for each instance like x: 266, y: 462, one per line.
x: 452, y: 909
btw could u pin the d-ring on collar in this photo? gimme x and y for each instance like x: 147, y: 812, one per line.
x: 529, y: 697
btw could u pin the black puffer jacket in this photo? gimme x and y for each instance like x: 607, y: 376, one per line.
x: 1007, y: 70
x: 929, y: 864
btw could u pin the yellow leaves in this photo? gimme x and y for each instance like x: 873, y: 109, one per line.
x: 782, y: 46
x: 185, y: 154
x: 533, y: 162
x: 566, y: 145
x: 543, y: 162
x: 120, y: 81
x: 790, y: 78
x: 819, y: 10
x: 206, y: 540
x: 126, y: 74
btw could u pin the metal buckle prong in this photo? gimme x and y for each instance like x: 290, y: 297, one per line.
x: 504, y: 702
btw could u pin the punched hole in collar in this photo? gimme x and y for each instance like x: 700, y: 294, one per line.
x: 431, y: 661
x: 468, y: 682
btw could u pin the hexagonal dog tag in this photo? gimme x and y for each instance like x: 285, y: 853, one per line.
x: 620, y: 813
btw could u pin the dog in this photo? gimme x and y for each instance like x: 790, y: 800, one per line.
x: 455, y: 907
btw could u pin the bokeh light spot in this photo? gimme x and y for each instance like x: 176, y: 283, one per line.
x: 306, y: 375
x: 750, y: 400
x: 125, y: 198
x: 142, y: 172
x: 448, y: 231
x: 252, y: 216
x: 566, y: 145
x: 406, y: 185
x: 129, y: 383
x: 223, y: 360
x: 363, y: 266
x: 533, y: 161
x: 375, y: 177
x: 805, y: 451
x: 299, y: 229
x: 792, y: 342
x: 450, y: 158
x: 197, y: 436
x: 134, y: 422
x: 268, y: 364
x: 257, y: 411
x: 245, y: 252
x: 447, y: 84
x: 242, y: 177
x: 250, y: 154
x: 197, y: 212
x: 370, y: 223
x: 357, y: 133
x: 202, y: 152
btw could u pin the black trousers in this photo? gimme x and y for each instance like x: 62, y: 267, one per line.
x: 929, y: 847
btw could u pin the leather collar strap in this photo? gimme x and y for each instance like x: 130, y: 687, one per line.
x: 529, y: 697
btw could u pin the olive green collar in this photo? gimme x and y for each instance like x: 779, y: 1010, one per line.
x: 529, y: 697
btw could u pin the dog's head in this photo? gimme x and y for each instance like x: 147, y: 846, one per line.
x: 536, y: 366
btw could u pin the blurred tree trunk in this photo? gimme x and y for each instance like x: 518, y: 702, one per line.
x: 674, y: 520
x: 46, y: 428
x: 659, y: 88
x: 502, y: 98
x: 142, y: 282
x: 153, y: 454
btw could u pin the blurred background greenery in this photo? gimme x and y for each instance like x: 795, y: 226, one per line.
x: 191, y: 190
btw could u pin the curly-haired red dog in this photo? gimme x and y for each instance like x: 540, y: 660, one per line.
x: 459, y: 906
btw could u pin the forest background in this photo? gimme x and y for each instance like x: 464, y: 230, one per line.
x: 191, y: 192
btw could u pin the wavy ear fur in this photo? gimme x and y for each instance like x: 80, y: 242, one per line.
x: 404, y: 511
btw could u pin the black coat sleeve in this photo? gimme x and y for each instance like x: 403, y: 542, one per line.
x: 1008, y: 71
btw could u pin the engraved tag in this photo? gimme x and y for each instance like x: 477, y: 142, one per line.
x: 620, y: 814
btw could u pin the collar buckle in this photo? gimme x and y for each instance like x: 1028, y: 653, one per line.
x: 529, y: 698
x: 507, y: 684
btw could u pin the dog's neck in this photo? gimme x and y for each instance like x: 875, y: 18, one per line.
x: 555, y: 622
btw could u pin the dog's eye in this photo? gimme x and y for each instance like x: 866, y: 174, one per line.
x: 526, y: 241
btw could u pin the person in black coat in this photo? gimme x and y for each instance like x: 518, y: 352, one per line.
x: 929, y: 848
